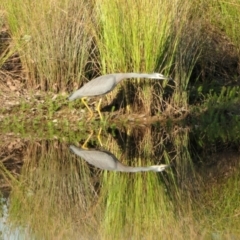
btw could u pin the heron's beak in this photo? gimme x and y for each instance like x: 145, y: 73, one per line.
x: 167, y: 78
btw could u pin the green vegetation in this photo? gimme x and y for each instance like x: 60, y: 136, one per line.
x: 225, y: 16
x: 61, y: 44
x: 50, y: 48
x: 52, y: 39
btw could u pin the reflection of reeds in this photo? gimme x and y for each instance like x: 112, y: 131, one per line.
x: 202, y: 207
x: 11, y: 160
x: 137, y: 201
x: 134, y: 203
x: 56, y: 190
x: 220, y: 194
x: 59, y: 195
x: 186, y: 185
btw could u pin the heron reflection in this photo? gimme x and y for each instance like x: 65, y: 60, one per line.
x: 107, y: 161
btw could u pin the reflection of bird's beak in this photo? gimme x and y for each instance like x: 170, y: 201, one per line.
x: 165, y: 166
x: 168, y: 166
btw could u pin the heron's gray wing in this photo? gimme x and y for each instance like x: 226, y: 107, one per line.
x: 99, y: 159
x: 98, y: 86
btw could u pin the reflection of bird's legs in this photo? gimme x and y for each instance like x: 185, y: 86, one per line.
x: 99, y: 136
x: 128, y: 108
x: 87, y: 140
x: 91, y: 112
x: 98, y: 108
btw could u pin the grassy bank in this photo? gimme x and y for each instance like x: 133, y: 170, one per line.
x: 60, y: 45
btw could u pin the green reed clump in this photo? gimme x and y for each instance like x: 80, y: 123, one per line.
x: 132, y: 37
x: 151, y: 36
x: 52, y: 38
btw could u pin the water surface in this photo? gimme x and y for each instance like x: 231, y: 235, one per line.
x: 48, y: 192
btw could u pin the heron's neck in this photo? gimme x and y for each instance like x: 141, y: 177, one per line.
x: 137, y: 75
x: 136, y: 169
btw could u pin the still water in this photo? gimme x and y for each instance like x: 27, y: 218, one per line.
x: 51, y: 192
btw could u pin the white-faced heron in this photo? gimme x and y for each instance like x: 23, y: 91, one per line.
x: 105, y: 84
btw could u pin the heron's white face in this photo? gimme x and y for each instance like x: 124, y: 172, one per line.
x: 158, y: 76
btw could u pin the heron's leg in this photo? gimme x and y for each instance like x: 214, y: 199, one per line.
x: 128, y: 107
x: 91, y: 112
x: 99, y: 136
x: 87, y: 140
x: 98, y: 108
